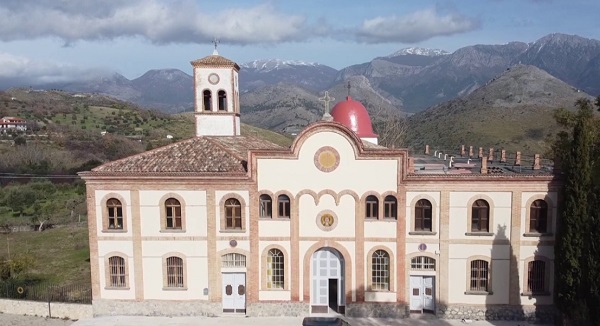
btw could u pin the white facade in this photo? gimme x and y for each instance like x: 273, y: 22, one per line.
x: 328, y: 225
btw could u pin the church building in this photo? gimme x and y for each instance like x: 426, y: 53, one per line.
x: 335, y: 224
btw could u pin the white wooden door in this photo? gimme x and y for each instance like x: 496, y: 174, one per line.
x: 416, y: 293
x: 234, y: 292
x: 428, y: 293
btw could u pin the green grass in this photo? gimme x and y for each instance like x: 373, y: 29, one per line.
x: 60, y: 255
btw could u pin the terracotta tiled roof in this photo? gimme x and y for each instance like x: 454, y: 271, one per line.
x: 215, y: 60
x: 224, y: 154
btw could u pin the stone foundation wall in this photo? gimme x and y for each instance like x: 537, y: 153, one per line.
x: 376, y: 310
x: 290, y: 309
x: 56, y: 309
x: 156, y: 308
x: 543, y: 314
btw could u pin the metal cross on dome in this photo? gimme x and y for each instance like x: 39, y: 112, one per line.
x: 326, y: 99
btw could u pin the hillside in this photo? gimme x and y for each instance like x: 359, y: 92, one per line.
x: 513, y: 111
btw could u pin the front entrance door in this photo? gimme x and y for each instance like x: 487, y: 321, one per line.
x: 327, y: 293
x: 422, y: 293
x: 234, y: 292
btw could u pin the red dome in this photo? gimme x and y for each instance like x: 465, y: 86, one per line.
x: 354, y: 115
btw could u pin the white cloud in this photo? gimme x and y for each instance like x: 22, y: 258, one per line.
x: 22, y: 71
x: 159, y: 21
x: 415, y: 27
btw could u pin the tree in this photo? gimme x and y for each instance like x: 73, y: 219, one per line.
x: 574, y: 249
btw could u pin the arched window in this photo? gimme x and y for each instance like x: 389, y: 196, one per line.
x: 175, y: 272
x: 480, y: 213
x: 538, y: 216
x: 233, y: 214
x: 207, y: 100
x: 423, y: 215
x: 275, y: 269
x: 422, y: 263
x: 380, y: 271
x: 390, y: 207
x: 173, y: 214
x: 115, y: 214
x: 536, y: 276
x: 117, y: 276
x: 283, y: 206
x: 265, y: 206
x: 222, y: 101
x: 479, y: 275
x: 371, y: 207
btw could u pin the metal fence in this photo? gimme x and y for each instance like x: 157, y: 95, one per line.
x: 47, y: 292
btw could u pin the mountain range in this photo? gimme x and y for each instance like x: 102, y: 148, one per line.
x: 283, y: 95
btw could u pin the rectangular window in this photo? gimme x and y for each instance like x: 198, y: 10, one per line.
x: 173, y: 217
x: 536, y: 276
x: 115, y: 217
x: 175, y: 272
x: 479, y: 275
x: 284, y: 206
x: 372, y: 209
x: 266, y: 208
x: 233, y: 217
x: 116, y: 266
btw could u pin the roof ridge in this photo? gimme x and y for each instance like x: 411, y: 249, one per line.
x: 216, y: 143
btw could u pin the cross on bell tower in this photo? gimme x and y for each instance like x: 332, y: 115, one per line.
x: 326, y: 99
x: 216, y: 43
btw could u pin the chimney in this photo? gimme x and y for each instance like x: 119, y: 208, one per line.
x: 503, y: 156
x: 480, y: 153
x: 462, y: 150
x: 470, y: 151
x: 484, y: 165
x: 536, y: 162
x: 426, y: 149
x: 518, y: 158
x: 491, y: 155
x: 411, y: 165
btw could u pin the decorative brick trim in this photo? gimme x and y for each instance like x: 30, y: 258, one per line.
x: 468, y: 273
x: 163, y: 212
x: 124, y: 210
x: 434, y: 212
x: 93, y: 240
x: 165, y: 272
x: 136, y: 234
x: 223, y: 224
x: 550, y: 217
x: 491, y: 209
x: 391, y: 271
x: 347, y: 267
x: 273, y: 203
x: 276, y: 203
x: 286, y: 268
x: 107, y: 270
x: 548, y: 274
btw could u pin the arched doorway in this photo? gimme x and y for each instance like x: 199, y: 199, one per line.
x: 327, y: 278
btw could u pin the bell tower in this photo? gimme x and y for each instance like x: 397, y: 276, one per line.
x: 216, y: 96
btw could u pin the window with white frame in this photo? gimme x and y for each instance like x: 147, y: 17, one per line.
x: 275, y: 269
x: 233, y: 260
x: 422, y: 263
x: 380, y: 271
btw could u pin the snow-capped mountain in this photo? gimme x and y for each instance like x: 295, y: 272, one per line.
x: 266, y: 65
x: 419, y: 51
x: 310, y: 75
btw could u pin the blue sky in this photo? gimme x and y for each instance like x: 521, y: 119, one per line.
x: 49, y: 40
